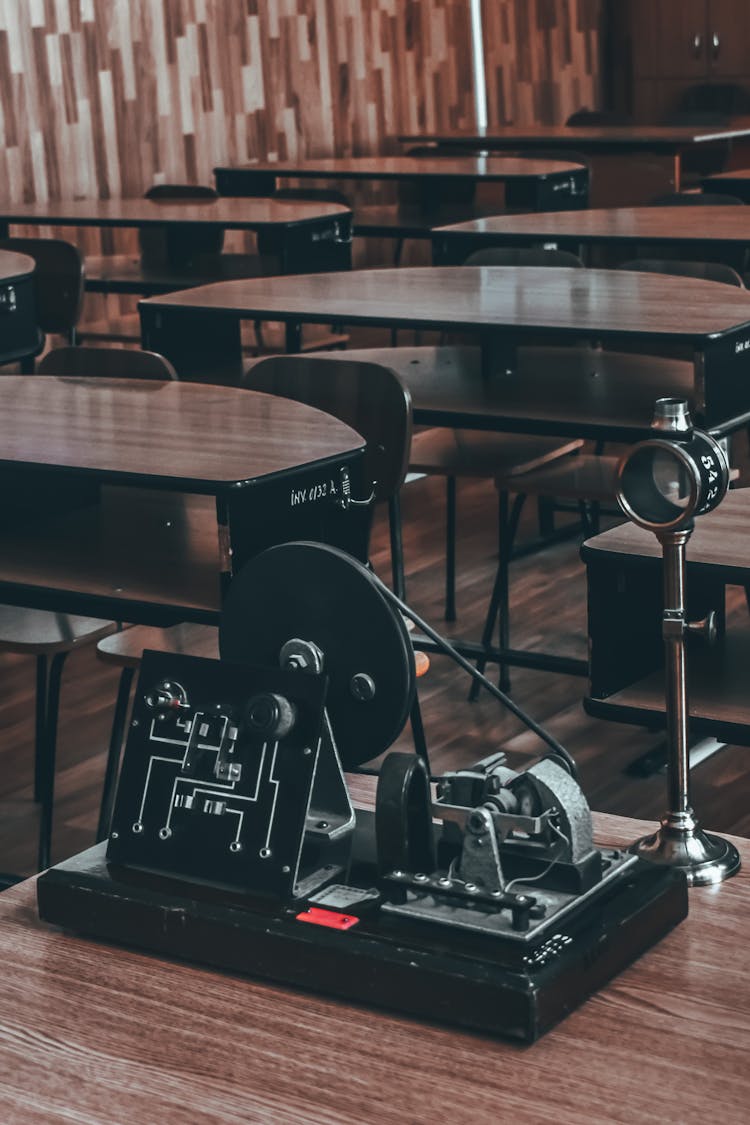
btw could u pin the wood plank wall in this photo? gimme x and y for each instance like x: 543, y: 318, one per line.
x: 541, y: 59
x: 104, y: 97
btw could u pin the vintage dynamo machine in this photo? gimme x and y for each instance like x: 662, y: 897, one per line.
x: 234, y: 842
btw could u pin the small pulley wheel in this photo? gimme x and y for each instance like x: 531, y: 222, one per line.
x: 319, y: 594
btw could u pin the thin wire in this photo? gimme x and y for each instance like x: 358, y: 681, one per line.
x: 547, y: 869
x: 449, y: 650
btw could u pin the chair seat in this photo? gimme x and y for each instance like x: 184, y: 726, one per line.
x: 585, y: 476
x: 42, y: 632
x: 480, y: 454
x: 125, y: 649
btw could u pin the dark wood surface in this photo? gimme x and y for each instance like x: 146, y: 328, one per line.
x: 730, y: 224
x: 137, y: 556
x: 720, y: 539
x: 232, y: 214
x: 101, y: 1034
x: 576, y: 392
x: 190, y: 437
x: 525, y: 299
x: 14, y: 265
x: 672, y: 137
x: 497, y: 168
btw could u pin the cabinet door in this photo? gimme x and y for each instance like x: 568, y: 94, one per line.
x: 668, y: 38
x: 728, y: 38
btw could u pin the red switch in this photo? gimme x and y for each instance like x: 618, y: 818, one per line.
x: 328, y: 918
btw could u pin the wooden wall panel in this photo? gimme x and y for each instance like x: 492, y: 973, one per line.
x: 541, y: 59
x: 104, y: 97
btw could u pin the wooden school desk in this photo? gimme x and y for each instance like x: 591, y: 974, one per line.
x: 95, y: 1033
x: 296, y: 235
x: 709, y: 232
x: 629, y: 163
x: 137, y: 500
x: 501, y: 307
x: 427, y: 186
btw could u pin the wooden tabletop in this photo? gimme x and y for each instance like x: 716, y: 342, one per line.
x: 96, y: 1034
x: 727, y: 224
x: 184, y: 436
x: 232, y: 214
x: 587, y: 136
x: 605, y: 303
x: 497, y: 168
x: 721, y: 539
x: 14, y: 266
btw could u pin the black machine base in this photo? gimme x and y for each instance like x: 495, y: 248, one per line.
x: 517, y: 990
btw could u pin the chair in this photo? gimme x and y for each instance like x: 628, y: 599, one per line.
x: 51, y: 637
x: 58, y: 284
x: 708, y: 271
x: 469, y: 453
x: 524, y: 256
x: 107, y: 363
x: 367, y: 396
x: 585, y: 117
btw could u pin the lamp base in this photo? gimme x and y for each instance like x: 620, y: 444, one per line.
x: 681, y: 842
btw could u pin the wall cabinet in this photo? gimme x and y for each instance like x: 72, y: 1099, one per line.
x: 655, y: 51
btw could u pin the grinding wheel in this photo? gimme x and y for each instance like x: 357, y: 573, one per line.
x: 318, y: 593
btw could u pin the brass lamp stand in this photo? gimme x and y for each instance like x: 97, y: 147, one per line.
x: 663, y: 483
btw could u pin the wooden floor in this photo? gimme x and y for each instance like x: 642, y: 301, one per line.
x: 548, y: 599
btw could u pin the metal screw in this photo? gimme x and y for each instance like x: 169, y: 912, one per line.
x: 472, y: 888
x: 444, y: 881
x: 235, y: 846
x: 420, y: 877
x: 115, y: 836
x: 134, y: 723
x: 322, y: 824
x: 362, y: 687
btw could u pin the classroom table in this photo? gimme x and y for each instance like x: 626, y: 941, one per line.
x: 710, y: 232
x: 97, y: 1033
x: 295, y: 234
x: 624, y: 569
x: 501, y: 307
x: 629, y: 163
x: 735, y: 182
x: 20, y: 336
x: 138, y: 500
x: 427, y: 187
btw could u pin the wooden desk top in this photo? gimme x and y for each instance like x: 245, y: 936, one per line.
x: 232, y: 214
x: 13, y: 266
x: 96, y: 1034
x: 721, y: 539
x: 730, y: 224
x: 734, y: 176
x: 497, y: 168
x: 586, y: 136
x: 183, y: 436
x: 605, y: 303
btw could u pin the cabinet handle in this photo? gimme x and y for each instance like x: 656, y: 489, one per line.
x: 697, y: 45
x: 715, y: 44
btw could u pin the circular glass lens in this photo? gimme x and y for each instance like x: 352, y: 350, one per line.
x: 671, y: 478
x: 656, y: 485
